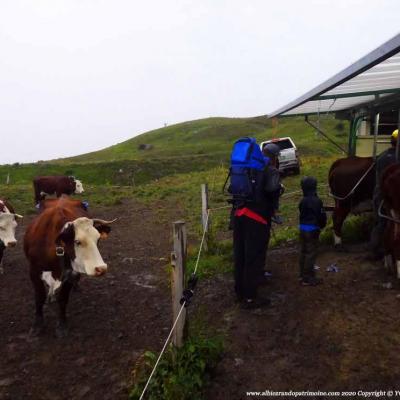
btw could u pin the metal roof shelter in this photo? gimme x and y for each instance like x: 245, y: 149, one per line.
x: 370, y: 83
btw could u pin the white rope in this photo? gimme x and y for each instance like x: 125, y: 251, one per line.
x: 382, y: 215
x: 354, y: 188
x: 291, y: 193
x: 202, y: 242
x: 219, y: 208
x: 180, y: 311
x: 162, y: 351
x: 298, y: 191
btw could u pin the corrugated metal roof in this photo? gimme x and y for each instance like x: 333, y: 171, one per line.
x: 376, y: 74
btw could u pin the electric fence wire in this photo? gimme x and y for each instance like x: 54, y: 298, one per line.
x: 179, y: 314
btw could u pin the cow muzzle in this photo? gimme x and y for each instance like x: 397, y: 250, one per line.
x: 99, y: 271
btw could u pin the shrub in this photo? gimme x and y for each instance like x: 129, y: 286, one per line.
x: 182, y: 373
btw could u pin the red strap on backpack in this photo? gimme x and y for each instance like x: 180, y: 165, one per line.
x: 250, y: 214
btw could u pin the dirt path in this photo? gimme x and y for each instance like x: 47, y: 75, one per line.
x: 112, y: 320
x: 343, y: 335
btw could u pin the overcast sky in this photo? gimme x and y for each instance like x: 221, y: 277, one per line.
x: 80, y: 75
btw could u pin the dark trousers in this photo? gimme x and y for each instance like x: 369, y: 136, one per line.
x: 309, y: 242
x: 250, y: 240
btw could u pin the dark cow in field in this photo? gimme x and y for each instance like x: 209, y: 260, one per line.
x: 60, y: 245
x: 352, y: 183
x: 8, y: 224
x: 390, y: 184
x: 59, y: 185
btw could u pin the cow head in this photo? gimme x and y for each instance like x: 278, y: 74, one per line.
x: 79, y: 239
x: 78, y: 186
x: 8, y: 223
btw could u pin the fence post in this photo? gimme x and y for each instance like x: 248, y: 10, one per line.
x: 178, y: 261
x: 204, y: 212
x: 8, y: 179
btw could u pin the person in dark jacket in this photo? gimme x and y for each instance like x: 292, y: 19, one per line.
x: 312, y: 220
x: 251, y: 230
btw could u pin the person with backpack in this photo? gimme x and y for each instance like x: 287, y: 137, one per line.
x: 255, y: 189
x: 312, y: 220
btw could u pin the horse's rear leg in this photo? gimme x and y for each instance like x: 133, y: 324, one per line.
x: 339, y: 215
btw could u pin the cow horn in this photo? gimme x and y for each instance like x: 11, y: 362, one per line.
x: 103, y: 221
x: 18, y: 216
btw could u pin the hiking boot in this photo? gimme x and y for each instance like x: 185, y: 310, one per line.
x: 311, y: 281
x: 259, y: 302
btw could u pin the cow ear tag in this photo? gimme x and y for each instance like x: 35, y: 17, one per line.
x: 60, y: 250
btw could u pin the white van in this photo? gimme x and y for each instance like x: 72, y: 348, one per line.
x: 288, y: 158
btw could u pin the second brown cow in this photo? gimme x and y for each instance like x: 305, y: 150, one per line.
x: 58, y: 185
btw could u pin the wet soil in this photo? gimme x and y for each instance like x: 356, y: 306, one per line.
x: 342, y: 335
x: 112, y: 319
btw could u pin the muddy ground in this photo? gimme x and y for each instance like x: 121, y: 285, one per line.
x: 112, y: 319
x: 342, y: 335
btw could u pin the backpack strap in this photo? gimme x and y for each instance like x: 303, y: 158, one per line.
x: 226, y: 181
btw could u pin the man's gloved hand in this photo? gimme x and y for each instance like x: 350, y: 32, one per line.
x: 277, y: 219
x: 282, y: 190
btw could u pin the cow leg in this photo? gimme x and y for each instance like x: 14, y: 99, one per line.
x: 339, y: 215
x: 63, y: 296
x: 40, y: 298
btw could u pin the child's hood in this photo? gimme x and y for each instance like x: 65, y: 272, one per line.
x: 309, y: 185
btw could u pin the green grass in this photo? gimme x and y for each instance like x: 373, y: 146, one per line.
x: 182, y: 373
x: 182, y: 148
x: 122, y: 173
x: 21, y: 197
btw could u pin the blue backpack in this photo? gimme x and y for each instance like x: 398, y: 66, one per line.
x: 246, y: 171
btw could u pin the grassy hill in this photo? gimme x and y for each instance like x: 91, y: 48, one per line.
x: 210, y: 136
x: 186, y: 147
x: 199, y: 137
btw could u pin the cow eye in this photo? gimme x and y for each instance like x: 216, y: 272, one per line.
x: 77, y: 242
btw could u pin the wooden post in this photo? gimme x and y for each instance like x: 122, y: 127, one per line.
x: 8, y: 179
x: 204, y: 212
x: 178, y: 261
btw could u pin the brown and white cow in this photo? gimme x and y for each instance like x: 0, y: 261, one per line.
x: 60, y: 245
x: 390, y: 184
x: 8, y: 224
x: 352, y: 182
x: 59, y: 185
